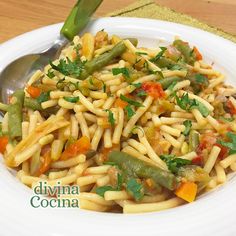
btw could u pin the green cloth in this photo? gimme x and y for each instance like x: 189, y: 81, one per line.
x: 149, y: 9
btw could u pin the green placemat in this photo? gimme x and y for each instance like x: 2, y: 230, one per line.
x: 149, y: 9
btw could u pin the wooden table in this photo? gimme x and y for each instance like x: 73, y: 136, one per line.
x: 17, y: 17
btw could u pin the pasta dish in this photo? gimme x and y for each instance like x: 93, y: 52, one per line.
x: 137, y: 129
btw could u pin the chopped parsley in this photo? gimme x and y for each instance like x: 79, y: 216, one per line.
x: 130, y: 111
x: 101, y: 190
x: 50, y: 74
x: 231, y: 145
x: 124, y: 71
x: 135, y: 189
x: 68, y: 67
x: 188, y: 125
x: 131, y: 101
x: 188, y: 104
x: 201, y: 79
x: 111, y: 118
x: 184, y: 102
x: 137, y: 85
x: 142, y: 93
x: 174, y: 163
x: 104, y: 87
x: 159, y: 55
x: 72, y: 99
x: 44, y: 96
x: 172, y: 85
x: 141, y: 53
x: 77, y: 48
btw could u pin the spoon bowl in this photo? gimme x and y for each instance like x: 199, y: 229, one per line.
x: 17, y: 73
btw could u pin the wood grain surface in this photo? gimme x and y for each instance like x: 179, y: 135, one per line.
x: 17, y: 17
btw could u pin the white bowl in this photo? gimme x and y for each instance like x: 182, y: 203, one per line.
x: 212, y: 214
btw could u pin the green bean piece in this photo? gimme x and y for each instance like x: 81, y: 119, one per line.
x: 198, y: 82
x: 79, y: 17
x: 15, y: 114
x: 36, y: 106
x: 32, y: 104
x: 193, y: 140
x: 166, y: 82
x: 1, y: 133
x: 3, y: 107
x: 164, y: 62
x: 133, y: 167
x: 185, y: 50
x: 104, y: 59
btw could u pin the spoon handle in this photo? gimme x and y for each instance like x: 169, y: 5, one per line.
x: 79, y: 17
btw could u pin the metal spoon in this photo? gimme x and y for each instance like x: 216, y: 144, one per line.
x: 18, y: 72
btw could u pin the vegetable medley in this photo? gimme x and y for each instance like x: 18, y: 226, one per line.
x: 137, y: 129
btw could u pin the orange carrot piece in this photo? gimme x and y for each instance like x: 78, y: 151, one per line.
x: 153, y: 89
x: 231, y: 107
x: 187, y: 191
x: 81, y: 146
x: 3, y: 143
x: 120, y: 103
x: 45, y: 164
x: 34, y: 92
x: 197, y: 53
